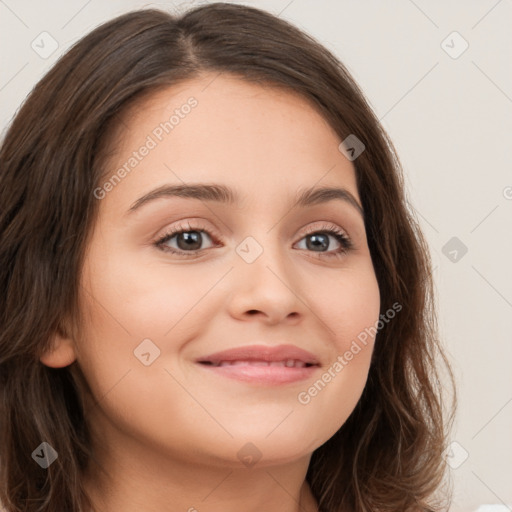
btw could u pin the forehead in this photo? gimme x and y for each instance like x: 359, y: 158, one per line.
x: 255, y: 138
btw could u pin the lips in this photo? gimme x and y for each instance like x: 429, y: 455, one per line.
x: 288, y: 356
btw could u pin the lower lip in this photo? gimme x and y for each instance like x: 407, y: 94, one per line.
x: 263, y: 374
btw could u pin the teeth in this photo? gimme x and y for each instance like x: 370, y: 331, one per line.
x: 289, y: 363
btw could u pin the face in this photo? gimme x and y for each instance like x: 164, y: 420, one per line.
x: 260, y: 270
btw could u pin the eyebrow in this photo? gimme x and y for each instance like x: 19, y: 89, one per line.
x: 223, y: 194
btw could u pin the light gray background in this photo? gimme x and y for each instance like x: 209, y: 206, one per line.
x: 451, y: 122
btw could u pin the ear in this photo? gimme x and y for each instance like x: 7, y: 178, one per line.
x: 62, y: 352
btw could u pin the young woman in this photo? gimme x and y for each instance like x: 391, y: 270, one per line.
x: 214, y: 295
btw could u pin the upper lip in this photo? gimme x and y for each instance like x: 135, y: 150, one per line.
x: 261, y: 353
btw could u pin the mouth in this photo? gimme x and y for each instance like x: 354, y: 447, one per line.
x: 261, y: 364
x: 288, y: 363
x: 261, y: 372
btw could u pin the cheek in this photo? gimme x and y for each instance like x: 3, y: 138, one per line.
x: 143, y: 297
x: 348, y: 307
x: 126, y: 302
x: 349, y: 311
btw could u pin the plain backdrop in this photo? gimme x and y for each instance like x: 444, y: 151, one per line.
x: 438, y: 75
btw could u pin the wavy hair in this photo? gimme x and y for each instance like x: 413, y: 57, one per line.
x: 389, y: 454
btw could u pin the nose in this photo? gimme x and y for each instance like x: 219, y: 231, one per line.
x: 266, y: 287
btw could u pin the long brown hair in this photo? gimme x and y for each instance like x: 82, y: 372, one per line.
x: 389, y: 454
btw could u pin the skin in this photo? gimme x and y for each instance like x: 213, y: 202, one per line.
x: 168, y: 434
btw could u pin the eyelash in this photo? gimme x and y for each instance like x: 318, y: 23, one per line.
x: 328, y: 229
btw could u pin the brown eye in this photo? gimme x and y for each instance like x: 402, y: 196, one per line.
x: 189, y: 240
